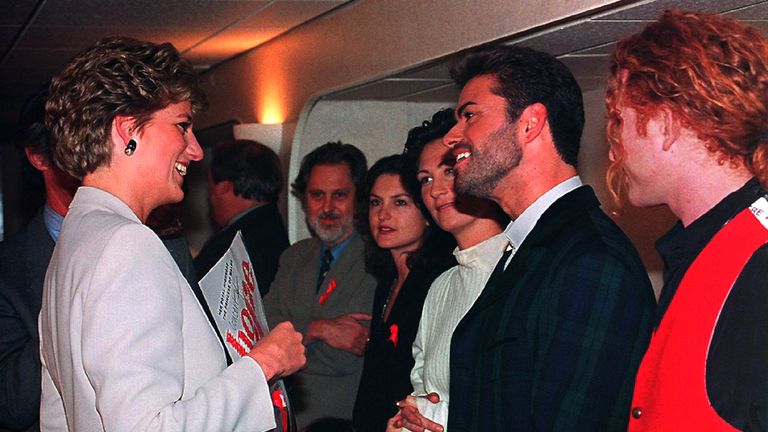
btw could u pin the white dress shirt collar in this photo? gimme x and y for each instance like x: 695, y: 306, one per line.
x: 518, y: 229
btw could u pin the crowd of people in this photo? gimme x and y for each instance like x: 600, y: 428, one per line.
x: 471, y: 282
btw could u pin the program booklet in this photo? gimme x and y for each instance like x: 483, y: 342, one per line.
x: 232, y: 294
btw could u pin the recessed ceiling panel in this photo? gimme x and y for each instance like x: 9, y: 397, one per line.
x: 588, y: 34
x: 757, y: 12
x: 65, y: 38
x: 287, y: 14
x: 447, y: 93
x: 649, y: 11
x: 7, y: 35
x: 438, y: 70
x: 39, y: 58
x: 16, y: 12
x: 200, y: 14
x: 587, y: 67
x: 388, y: 89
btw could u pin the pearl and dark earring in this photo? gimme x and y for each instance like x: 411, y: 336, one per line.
x: 130, y: 147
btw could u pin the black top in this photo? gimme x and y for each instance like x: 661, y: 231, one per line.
x: 386, y: 376
x: 737, y: 362
x: 264, y: 236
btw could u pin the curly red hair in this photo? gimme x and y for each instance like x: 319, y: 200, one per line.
x: 710, y: 71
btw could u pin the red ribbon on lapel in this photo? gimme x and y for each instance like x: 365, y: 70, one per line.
x: 331, y: 287
x: 393, y: 334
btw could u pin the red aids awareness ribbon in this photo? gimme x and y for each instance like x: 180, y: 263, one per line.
x: 331, y: 287
x: 393, y: 334
x: 278, y: 400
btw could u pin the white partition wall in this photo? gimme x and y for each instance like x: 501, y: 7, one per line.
x: 377, y: 128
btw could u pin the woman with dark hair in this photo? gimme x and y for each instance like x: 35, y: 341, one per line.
x: 405, y: 252
x: 124, y: 343
x: 476, y: 224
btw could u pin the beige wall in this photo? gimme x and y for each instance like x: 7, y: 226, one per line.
x: 366, y: 40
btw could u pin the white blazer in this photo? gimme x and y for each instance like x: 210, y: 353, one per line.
x: 125, y: 344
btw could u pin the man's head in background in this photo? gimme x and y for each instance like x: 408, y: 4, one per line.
x: 328, y: 179
x: 243, y: 174
x: 34, y: 140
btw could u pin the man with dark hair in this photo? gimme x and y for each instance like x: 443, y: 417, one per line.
x: 555, y: 338
x: 244, y: 184
x: 322, y: 288
x: 701, y: 150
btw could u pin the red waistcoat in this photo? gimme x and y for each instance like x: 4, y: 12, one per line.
x: 670, y: 389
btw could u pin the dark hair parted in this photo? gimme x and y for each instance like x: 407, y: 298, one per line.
x: 437, y: 246
x: 430, y: 130
x: 526, y: 76
x: 252, y: 167
x: 709, y: 71
x: 117, y: 76
x: 332, y: 153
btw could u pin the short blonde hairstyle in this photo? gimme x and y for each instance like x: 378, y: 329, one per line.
x: 117, y: 76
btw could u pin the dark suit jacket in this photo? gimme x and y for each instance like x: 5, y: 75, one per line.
x: 265, y: 238
x: 554, y: 341
x: 23, y: 260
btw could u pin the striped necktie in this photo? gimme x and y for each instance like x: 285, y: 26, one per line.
x: 325, y: 267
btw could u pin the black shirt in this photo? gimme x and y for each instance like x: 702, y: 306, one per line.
x: 737, y: 362
x: 389, y: 357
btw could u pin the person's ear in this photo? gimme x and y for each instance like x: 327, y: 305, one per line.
x: 532, y: 121
x: 123, y: 130
x: 670, y: 128
x: 224, y: 187
x: 37, y: 159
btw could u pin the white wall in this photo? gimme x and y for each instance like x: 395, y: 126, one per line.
x: 377, y: 128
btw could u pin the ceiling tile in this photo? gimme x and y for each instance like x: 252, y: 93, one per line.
x: 651, y: 10
x: 388, y: 89
x: 65, y: 38
x: 588, y: 34
x: 448, y: 94
x: 288, y: 14
x: 166, y: 14
x: 252, y: 31
x: 438, y: 70
x: 7, y: 35
x: 587, y: 66
x: 228, y: 44
x: 39, y: 58
x: 16, y: 12
x: 757, y: 12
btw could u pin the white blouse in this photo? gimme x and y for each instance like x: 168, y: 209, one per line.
x: 452, y: 294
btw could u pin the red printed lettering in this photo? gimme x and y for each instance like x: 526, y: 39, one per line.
x: 241, y: 344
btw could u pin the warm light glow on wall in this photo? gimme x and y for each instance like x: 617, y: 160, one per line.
x: 271, y: 114
x: 270, y: 102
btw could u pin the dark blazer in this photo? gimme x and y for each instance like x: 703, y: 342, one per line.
x: 265, y: 238
x: 554, y: 341
x: 388, y: 358
x: 24, y: 258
